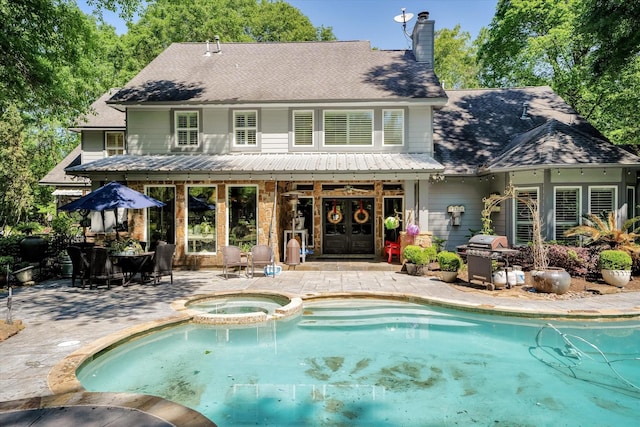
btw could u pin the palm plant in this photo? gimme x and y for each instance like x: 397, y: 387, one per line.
x: 603, y: 229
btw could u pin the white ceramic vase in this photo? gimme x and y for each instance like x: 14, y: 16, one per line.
x: 617, y: 278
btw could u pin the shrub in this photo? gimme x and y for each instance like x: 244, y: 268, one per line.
x: 614, y: 260
x: 416, y: 254
x: 449, y: 261
x: 577, y: 261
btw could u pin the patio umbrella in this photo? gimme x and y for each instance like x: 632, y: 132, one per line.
x: 111, y: 197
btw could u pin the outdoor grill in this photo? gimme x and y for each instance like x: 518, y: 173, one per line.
x: 480, y: 251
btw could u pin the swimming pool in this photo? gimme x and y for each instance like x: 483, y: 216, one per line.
x: 383, y: 362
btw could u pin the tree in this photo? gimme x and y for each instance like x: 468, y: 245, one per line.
x: 16, y: 179
x: 165, y: 22
x: 613, y: 28
x: 455, y: 59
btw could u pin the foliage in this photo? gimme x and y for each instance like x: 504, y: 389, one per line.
x: 166, y: 21
x: 16, y: 179
x: 577, y: 261
x: 6, y: 264
x: 28, y: 227
x: 438, y: 242
x: 603, y: 229
x: 455, y: 59
x: 416, y: 255
x: 10, y: 245
x: 449, y: 261
x: 614, y: 29
x: 124, y: 245
x: 612, y: 259
x: 64, y: 230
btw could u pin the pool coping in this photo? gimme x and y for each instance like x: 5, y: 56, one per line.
x: 62, y: 379
x: 167, y: 412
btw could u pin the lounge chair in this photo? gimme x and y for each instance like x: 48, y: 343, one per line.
x: 232, y: 257
x: 261, y: 256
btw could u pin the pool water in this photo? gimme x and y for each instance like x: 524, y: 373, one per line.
x: 386, y: 363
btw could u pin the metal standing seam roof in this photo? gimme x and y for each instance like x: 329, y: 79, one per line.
x: 300, y: 163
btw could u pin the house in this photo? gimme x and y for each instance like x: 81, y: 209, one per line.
x: 257, y: 142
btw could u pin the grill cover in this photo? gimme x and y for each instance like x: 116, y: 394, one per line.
x: 487, y: 242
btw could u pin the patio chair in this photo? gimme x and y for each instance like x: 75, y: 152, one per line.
x: 80, y: 262
x: 391, y: 249
x: 101, y: 269
x: 232, y: 257
x: 261, y: 256
x: 161, y: 264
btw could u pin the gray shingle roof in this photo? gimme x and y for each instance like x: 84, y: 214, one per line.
x: 102, y: 116
x: 302, y: 165
x: 476, y: 126
x: 59, y: 178
x: 281, y: 72
x: 557, y: 144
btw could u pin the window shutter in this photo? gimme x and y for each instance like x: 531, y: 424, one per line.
x: 246, y: 127
x: 524, y: 221
x: 601, y: 200
x: 348, y: 128
x: 187, y: 129
x: 303, y: 128
x: 393, y: 127
x: 567, y: 211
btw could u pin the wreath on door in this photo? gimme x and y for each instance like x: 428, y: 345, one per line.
x: 361, y: 216
x: 334, y: 216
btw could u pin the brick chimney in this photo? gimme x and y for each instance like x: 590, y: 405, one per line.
x: 423, y: 38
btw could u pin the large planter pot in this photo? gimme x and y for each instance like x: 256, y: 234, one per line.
x: 33, y: 248
x: 617, y: 278
x: 552, y: 280
x: 448, y: 276
x: 66, y: 266
x: 414, y: 269
x: 24, y: 275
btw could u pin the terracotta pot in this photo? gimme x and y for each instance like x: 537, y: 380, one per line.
x: 617, y: 278
x: 552, y: 280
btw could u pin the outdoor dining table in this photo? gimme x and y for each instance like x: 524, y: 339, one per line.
x: 132, y: 264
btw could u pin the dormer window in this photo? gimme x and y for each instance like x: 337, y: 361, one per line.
x: 187, y: 128
x: 245, y: 128
x: 113, y: 143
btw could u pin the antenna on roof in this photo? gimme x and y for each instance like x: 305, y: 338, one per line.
x: 403, y: 18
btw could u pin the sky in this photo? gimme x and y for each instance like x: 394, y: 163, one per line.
x: 373, y: 19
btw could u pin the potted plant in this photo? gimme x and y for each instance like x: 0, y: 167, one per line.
x: 450, y: 263
x: 416, y: 258
x: 615, y: 267
x: 127, y: 246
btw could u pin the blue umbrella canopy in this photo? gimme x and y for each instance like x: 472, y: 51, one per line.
x: 112, y: 196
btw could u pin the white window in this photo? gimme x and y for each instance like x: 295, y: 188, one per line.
x: 245, y: 127
x: 523, y: 217
x: 393, y: 127
x: 602, y: 200
x: 114, y: 143
x: 201, y: 219
x: 186, y: 128
x: 567, y: 211
x: 348, y: 128
x: 303, y: 128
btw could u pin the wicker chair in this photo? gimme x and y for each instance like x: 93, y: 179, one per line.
x: 261, y: 256
x: 232, y: 257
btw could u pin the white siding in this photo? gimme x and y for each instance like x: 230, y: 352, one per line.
x: 149, y: 131
x: 215, y: 130
x: 274, y: 130
x: 420, y: 134
x: 92, y: 145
